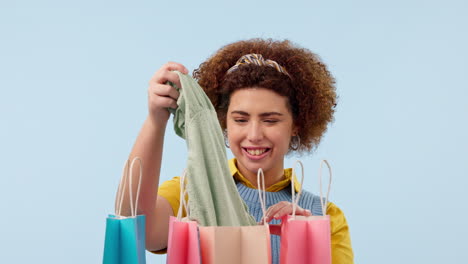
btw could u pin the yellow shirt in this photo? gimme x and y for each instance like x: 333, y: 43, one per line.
x: 342, y: 252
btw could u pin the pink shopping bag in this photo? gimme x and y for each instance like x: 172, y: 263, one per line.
x: 235, y: 244
x: 183, y: 246
x: 306, y: 239
x: 238, y: 244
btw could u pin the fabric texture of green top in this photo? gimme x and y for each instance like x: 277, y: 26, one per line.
x: 214, y: 198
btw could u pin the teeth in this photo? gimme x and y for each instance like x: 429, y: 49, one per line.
x: 256, y: 152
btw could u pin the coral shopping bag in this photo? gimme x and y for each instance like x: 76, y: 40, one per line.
x: 183, y: 245
x: 125, y: 235
x: 237, y: 244
x: 306, y: 239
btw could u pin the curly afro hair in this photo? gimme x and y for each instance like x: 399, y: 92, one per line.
x: 309, y: 87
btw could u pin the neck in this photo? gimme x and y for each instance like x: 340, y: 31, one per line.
x: 272, y: 175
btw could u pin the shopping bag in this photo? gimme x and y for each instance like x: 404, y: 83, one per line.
x: 237, y: 244
x: 183, y: 245
x: 306, y: 239
x: 125, y: 235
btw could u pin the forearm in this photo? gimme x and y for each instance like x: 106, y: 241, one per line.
x: 148, y: 147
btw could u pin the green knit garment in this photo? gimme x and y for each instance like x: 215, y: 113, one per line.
x: 213, y: 196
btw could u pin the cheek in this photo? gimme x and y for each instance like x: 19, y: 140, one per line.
x: 281, y: 137
x: 233, y: 134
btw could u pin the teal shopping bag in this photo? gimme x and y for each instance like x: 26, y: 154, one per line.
x: 125, y: 235
x: 125, y: 240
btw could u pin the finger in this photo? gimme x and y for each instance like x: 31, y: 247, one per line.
x: 274, y: 209
x: 162, y: 101
x: 162, y: 77
x: 164, y: 90
x: 301, y: 211
x: 286, y: 210
x: 268, y: 213
x: 165, y: 73
x: 175, y: 66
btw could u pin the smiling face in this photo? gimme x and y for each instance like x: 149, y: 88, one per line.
x: 259, y: 127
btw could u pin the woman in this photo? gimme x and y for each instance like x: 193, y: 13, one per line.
x: 272, y: 98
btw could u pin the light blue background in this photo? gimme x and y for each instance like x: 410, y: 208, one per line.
x: 73, y: 97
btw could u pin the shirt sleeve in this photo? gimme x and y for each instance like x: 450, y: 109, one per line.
x: 170, y: 190
x: 342, y: 252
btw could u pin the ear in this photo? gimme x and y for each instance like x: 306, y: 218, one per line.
x: 295, y: 130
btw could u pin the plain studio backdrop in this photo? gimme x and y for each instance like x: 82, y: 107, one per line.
x: 73, y: 80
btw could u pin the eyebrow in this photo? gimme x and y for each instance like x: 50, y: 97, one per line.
x: 266, y: 114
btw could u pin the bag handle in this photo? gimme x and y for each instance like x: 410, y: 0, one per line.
x: 322, y: 202
x: 127, y: 176
x: 122, y: 184
x: 295, y: 200
x: 183, y: 193
x: 262, y: 193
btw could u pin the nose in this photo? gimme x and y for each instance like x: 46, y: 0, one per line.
x: 255, y: 132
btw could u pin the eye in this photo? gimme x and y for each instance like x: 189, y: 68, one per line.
x: 271, y: 121
x: 240, y: 120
